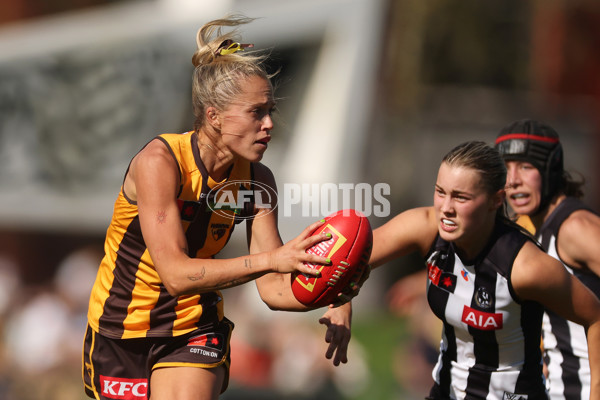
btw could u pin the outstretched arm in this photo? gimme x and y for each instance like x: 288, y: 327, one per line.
x: 275, y: 288
x: 263, y: 236
x: 412, y: 230
x: 153, y: 182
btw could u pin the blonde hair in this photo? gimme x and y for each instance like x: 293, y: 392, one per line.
x: 216, y: 78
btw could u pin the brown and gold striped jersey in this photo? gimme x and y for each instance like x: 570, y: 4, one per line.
x: 128, y: 299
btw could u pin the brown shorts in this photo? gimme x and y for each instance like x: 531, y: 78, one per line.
x: 121, y: 368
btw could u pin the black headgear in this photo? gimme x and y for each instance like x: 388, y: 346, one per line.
x: 537, y: 143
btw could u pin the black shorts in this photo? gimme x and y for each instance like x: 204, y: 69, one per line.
x: 121, y: 368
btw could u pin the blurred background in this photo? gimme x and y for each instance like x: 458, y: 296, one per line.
x: 370, y: 91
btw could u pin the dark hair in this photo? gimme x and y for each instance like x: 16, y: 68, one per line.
x: 539, y: 144
x: 571, y: 187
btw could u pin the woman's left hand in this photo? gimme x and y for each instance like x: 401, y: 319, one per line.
x: 353, y: 288
x: 338, y: 321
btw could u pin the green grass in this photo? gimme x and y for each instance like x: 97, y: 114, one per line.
x: 380, y: 334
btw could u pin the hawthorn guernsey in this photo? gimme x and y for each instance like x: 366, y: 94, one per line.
x: 348, y: 249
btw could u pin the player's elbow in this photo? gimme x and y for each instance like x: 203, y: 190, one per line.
x: 174, y: 289
x: 176, y: 281
x: 277, y: 301
x: 269, y: 301
x: 177, y: 285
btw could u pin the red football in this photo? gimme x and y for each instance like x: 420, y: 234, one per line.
x: 348, y: 249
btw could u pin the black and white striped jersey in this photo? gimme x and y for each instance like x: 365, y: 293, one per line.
x: 565, y: 344
x: 490, y: 347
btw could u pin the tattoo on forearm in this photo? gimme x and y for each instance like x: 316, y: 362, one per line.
x: 198, y: 276
x: 247, y: 263
x: 161, y: 217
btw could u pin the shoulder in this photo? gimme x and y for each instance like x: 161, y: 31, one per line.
x: 530, y: 254
x: 578, y: 222
x: 153, y: 165
x: 154, y: 154
x: 532, y: 269
x: 578, y: 237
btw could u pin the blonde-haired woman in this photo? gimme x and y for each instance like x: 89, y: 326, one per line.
x: 156, y: 322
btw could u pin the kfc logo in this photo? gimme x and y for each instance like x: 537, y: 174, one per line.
x: 124, y: 389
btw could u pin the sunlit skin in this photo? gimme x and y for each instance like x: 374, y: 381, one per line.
x: 465, y: 211
x: 246, y: 123
x: 523, y: 187
x: 242, y: 130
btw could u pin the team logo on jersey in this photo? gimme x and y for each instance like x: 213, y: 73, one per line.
x: 481, y: 320
x: 513, y: 396
x: 218, y: 230
x: 483, y: 298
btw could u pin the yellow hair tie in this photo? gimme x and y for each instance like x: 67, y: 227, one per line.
x: 229, y: 47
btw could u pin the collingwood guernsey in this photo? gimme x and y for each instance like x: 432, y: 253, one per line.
x: 565, y: 343
x: 490, y: 347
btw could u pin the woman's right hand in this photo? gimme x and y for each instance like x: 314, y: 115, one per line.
x: 292, y: 256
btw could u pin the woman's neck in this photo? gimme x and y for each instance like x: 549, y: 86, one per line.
x: 215, y: 156
x: 538, y: 219
x: 470, y: 248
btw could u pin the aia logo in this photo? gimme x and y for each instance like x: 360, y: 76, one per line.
x: 481, y: 320
x: 124, y: 389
